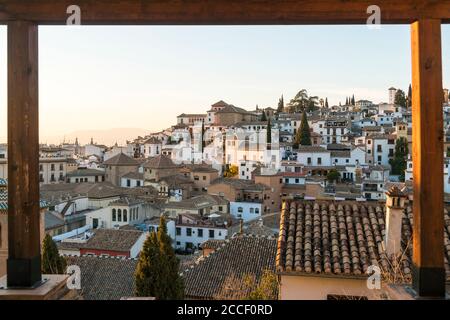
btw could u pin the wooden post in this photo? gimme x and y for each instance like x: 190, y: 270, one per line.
x: 428, y: 157
x: 24, y: 258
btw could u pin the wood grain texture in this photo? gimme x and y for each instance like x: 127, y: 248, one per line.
x: 23, y: 141
x: 428, y: 147
x: 224, y: 12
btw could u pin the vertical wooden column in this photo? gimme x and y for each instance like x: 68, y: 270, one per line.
x: 24, y: 258
x: 428, y: 157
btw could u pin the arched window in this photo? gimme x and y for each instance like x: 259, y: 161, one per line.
x: 119, y: 215
x: 125, y: 215
x: 113, y: 214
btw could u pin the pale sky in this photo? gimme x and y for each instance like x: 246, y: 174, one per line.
x: 99, y: 78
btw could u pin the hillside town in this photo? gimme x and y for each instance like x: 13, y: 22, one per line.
x: 298, y: 188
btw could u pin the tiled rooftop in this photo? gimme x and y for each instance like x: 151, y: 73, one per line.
x: 105, y: 278
x: 238, y: 256
x: 342, y: 238
x: 107, y: 239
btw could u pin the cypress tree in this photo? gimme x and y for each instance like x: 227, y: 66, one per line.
x: 353, y: 100
x: 410, y: 96
x: 346, y: 101
x: 269, y: 132
x: 280, y: 105
x: 52, y: 262
x: 203, y: 135
x: 326, y: 103
x: 303, y: 136
x: 156, y: 274
x: 148, y: 271
x: 173, y: 284
x: 263, y: 116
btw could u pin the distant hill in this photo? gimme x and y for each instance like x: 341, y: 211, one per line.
x: 107, y: 136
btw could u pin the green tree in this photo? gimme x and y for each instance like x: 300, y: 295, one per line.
x: 303, y: 135
x: 398, y: 163
x: 400, y: 98
x: 263, y: 116
x: 299, y: 102
x: 172, y: 284
x: 346, y: 101
x: 409, y: 102
x: 156, y: 273
x: 353, y: 100
x: 333, y: 175
x: 313, y: 103
x: 267, y: 289
x: 326, y: 103
x: 203, y: 135
x: 148, y: 268
x: 52, y: 262
x: 280, y: 105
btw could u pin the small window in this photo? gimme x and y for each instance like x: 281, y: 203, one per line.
x: 178, y: 231
x: 240, y: 209
x: 114, y: 215
x: 211, y: 233
x: 189, y: 232
x: 200, y: 233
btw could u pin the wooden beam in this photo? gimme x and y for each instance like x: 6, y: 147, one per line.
x: 428, y: 157
x: 224, y: 12
x: 24, y: 259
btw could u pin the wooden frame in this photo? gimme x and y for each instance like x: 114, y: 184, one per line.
x: 425, y: 16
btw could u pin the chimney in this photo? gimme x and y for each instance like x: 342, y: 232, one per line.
x: 395, y: 204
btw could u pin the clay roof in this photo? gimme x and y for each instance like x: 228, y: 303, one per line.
x: 232, y: 109
x: 311, y: 149
x: 107, y: 239
x: 160, y: 162
x: 121, y: 160
x: 342, y: 238
x: 85, y: 173
x: 238, y: 256
x: 241, y: 184
x: 105, y: 278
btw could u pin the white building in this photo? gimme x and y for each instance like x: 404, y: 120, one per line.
x: 313, y: 156
x: 191, y: 231
x: 246, y: 210
x: 120, y: 213
x: 380, y: 148
x: 375, y: 177
x: 248, y: 143
x: 356, y: 156
x: 391, y: 92
x: 132, y: 180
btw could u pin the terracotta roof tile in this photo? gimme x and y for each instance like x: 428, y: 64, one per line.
x: 342, y: 238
